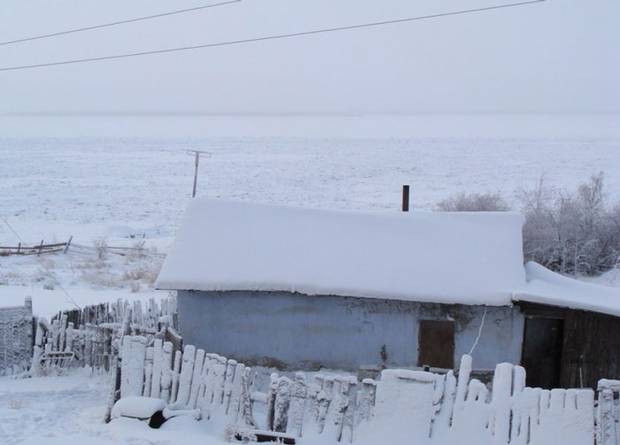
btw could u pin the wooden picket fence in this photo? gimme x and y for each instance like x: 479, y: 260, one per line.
x: 187, y: 379
x: 403, y: 406
x: 90, y: 336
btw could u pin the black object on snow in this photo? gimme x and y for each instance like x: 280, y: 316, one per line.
x: 157, y: 419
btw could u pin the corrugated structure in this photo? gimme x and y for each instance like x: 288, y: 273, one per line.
x: 15, y: 338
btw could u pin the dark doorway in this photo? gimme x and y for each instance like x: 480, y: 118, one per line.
x: 436, y: 344
x: 542, y: 351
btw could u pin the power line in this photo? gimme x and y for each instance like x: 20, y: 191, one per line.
x: 13, y: 230
x: 119, y: 22
x: 270, y: 37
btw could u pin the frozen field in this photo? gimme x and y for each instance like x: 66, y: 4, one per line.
x: 117, y: 178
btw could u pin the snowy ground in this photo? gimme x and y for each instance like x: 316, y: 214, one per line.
x: 70, y: 409
x: 126, y: 180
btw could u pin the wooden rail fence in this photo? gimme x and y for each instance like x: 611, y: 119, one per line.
x: 39, y: 249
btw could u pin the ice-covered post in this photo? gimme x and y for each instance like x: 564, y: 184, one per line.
x: 405, y: 198
x: 196, y: 154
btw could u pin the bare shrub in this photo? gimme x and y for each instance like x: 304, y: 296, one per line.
x: 101, y: 248
x: 137, y: 251
x: 474, y: 202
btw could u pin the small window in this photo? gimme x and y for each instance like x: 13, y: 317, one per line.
x: 436, y: 344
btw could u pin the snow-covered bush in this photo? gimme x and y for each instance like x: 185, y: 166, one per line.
x: 571, y: 232
x: 474, y: 202
x: 101, y: 248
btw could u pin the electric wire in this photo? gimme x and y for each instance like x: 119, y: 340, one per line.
x: 266, y: 38
x: 116, y: 23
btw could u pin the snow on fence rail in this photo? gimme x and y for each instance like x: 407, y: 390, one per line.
x: 15, y: 338
x: 403, y: 406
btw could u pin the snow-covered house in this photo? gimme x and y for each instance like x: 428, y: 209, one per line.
x: 306, y: 288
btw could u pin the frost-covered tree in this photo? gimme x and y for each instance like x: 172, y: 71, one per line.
x: 572, y: 233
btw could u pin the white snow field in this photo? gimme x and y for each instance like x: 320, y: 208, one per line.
x: 124, y: 180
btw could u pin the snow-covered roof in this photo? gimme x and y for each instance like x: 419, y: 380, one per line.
x: 547, y: 287
x: 467, y: 258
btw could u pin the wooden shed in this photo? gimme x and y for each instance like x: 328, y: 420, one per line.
x: 571, y: 330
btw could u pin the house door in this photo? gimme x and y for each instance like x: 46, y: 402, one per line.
x: 542, y: 351
x: 436, y: 344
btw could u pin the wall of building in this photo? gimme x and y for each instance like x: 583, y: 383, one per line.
x: 590, y: 348
x: 306, y: 332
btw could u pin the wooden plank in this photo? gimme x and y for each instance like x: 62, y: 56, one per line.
x: 158, y: 359
x: 196, y: 378
x: 132, y: 368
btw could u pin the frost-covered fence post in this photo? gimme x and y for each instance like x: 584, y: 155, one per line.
x: 339, y: 420
x: 63, y: 331
x: 132, y: 365
x: 196, y: 378
x: 166, y: 372
x: 113, y: 395
x: 234, y: 405
x: 297, y: 408
x: 148, y: 372
x: 246, y: 414
x: 365, y: 401
x: 606, y: 420
x: 185, y: 378
x: 324, y: 398
x: 176, y: 371
x: 281, y: 404
x: 41, y: 327
x: 501, y: 403
x: 520, y: 418
x: 158, y: 358
x: 442, y: 422
x: 228, y: 384
x: 271, y: 400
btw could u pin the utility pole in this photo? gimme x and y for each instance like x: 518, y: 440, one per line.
x: 196, y: 154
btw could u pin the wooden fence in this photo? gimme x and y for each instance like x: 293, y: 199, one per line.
x: 15, y: 338
x: 403, y: 406
x: 38, y: 249
x: 91, y: 336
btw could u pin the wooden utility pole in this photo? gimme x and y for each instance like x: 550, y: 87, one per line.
x: 196, y: 154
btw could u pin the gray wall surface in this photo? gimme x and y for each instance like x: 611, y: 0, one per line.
x: 298, y: 331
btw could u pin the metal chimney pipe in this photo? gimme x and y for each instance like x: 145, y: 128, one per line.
x: 405, y: 198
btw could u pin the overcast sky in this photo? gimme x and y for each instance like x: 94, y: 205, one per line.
x: 557, y: 56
